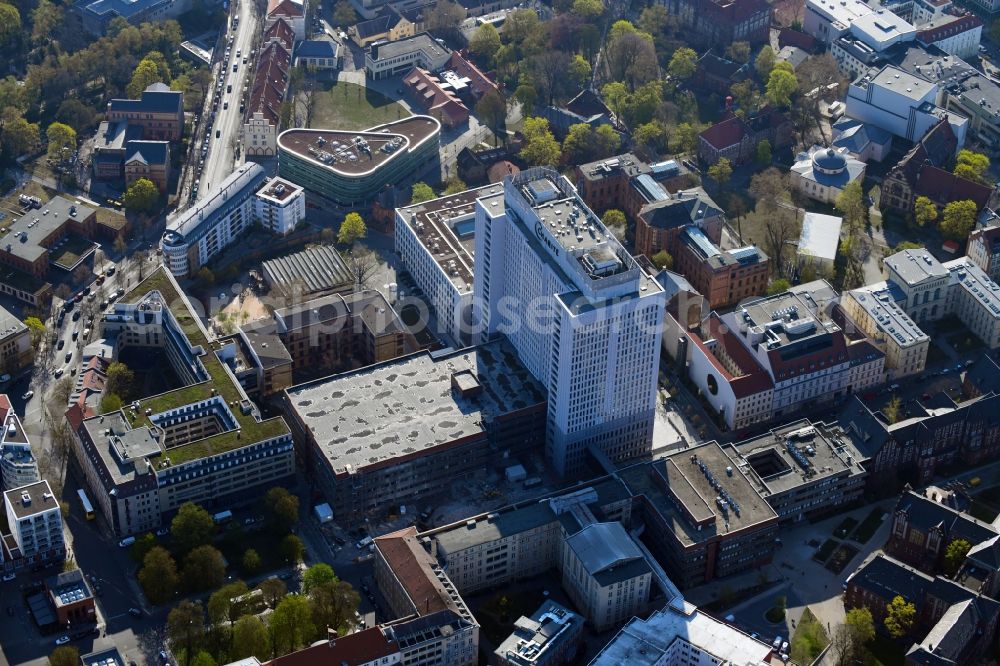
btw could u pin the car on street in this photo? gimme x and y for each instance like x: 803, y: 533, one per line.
x: 163, y: 531
x: 9, y: 577
x: 126, y: 542
x: 27, y: 395
x: 110, y: 271
x: 60, y: 345
x: 135, y: 612
x: 58, y: 373
x: 62, y: 640
x: 69, y: 354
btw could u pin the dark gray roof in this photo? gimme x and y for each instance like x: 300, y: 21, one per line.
x: 157, y: 98
x: 147, y: 152
x: 319, y: 268
x: 925, y: 513
x: 316, y: 48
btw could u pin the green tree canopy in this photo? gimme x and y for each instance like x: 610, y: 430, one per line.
x: 281, y: 509
x: 204, y: 568
x: 954, y: 555
x: 614, y: 220
x: 421, y: 192
x: 454, y: 186
x: 191, y: 527
x: 17, y: 134
x: 721, y: 172
x: 485, y: 42
x: 292, y: 548
x: 892, y: 409
x: 344, y: 14
x: 250, y: 638
x: 764, y: 63
x: 781, y: 84
x: 10, y: 23
x: 158, y: 575
x: 186, y: 627
x: 924, y: 211
x: 110, y: 402
x: 62, y: 140
x: 972, y: 166
x: 65, y: 655
x: 683, y: 63
x: 899, y: 617
x: 778, y: 286
x: 141, y: 196
x: 958, y: 220
x: 119, y: 379
x: 662, y: 260
x: 222, y: 605
x: 739, y: 52
x: 333, y: 604
x: 684, y: 139
x: 36, y: 330
x: 146, y: 73
x: 316, y: 575
x: 251, y: 561
x: 588, y: 9
x: 351, y: 229
x: 540, y: 147
x: 291, y: 624
x: 851, y: 203
x: 764, y: 152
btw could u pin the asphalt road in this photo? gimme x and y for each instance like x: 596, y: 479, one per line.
x: 222, y: 148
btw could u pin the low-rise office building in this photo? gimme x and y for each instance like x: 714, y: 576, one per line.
x: 203, y: 442
x: 33, y: 239
x: 35, y: 522
x: 548, y: 637
x: 16, y: 351
x: 956, y: 35
x: 149, y: 160
x: 96, y: 15
x: 383, y: 61
x: 659, y: 225
x: 447, y: 415
x: 350, y: 168
x: 72, y: 599
x: 802, y: 469
x: 436, y: 242
x: 202, y: 231
x: 875, y: 310
x: 724, y: 277
x: 280, y: 205
x: 18, y: 466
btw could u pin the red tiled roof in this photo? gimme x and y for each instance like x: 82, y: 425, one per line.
x: 478, y: 81
x: 284, y: 8
x: 724, y: 134
x: 282, y: 32
x: 270, y: 82
x: 943, y: 187
x: 500, y: 170
x: 359, y: 648
x: 413, y: 568
x: 754, y: 380
x: 950, y: 29
x: 428, y: 91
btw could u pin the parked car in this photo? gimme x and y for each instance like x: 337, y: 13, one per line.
x: 58, y: 373
x: 135, y: 612
x: 126, y: 542
x: 9, y: 577
x: 28, y: 395
x: 4, y: 378
x: 69, y: 354
x: 62, y: 640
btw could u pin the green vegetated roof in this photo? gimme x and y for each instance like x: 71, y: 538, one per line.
x: 250, y: 430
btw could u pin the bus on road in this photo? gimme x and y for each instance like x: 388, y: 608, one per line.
x: 88, y: 508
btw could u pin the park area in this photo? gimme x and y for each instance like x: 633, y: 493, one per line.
x: 348, y: 106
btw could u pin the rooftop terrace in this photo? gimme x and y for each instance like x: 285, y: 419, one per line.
x: 355, y: 154
x: 375, y: 414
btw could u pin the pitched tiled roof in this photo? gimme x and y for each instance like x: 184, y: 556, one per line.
x: 270, y: 82
x: 377, y: 26
x: 478, y: 81
x: 587, y: 103
x: 147, y: 152
x: 938, y: 146
x: 724, y: 134
x: 282, y: 32
x: 944, y: 187
x: 924, y: 514
x: 284, y: 8
x: 430, y: 94
x: 157, y: 98
x: 363, y: 647
x: 720, y: 67
x: 413, y: 567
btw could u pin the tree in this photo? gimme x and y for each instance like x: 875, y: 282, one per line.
x: 781, y: 84
x: 141, y: 196
x: 454, y: 186
x: 492, y: 110
x: 768, y: 188
x: 721, y: 172
x: 606, y: 141
x: 351, y: 229
x: 899, y: 616
x: 851, y: 203
x: 662, y: 260
x: 146, y: 73
x: 203, y: 659
x: 485, y: 42
x: 36, y: 330
x: 316, y: 575
x: 361, y: 264
x: 333, y: 603
x: 292, y: 548
x: 61, y: 138
x: 291, y: 624
x: 589, y: 10
x: 344, y: 14
x: 204, y: 277
x: 158, y: 575
x: 614, y: 220
x: 578, y: 146
x: 250, y: 638
x: 274, y: 591
x: 892, y: 410
x: 958, y: 220
x: 17, y: 134
x: 443, y: 19
x: 119, y: 378
x: 281, y: 509
x: 421, y: 192
x: 972, y: 166
x: 143, y: 544
x: 683, y: 63
x: 222, y: 606
x: 10, y: 23
x: 72, y: 111
x: 764, y: 152
x: 924, y: 211
x: 780, y: 227
x: 684, y: 139
x: 630, y: 57
x: 186, y: 628
x: 64, y: 655
x: 111, y: 402
x: 739, y: 52
x: 861, y: 624
x: 191, y: 527
x: 251, y: 561
x: 204, y: 568
x: 651, y: 136
x: 579, y: 70
x: 540, y: 147
x: 654, y: 20
x: 764, y: 62
x: 848, y: 639
x: 778, y: 286
x: 954, y: 555
x: 907, y: 245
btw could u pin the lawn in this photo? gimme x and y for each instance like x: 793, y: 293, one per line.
x: 825, y: 550
x: 844, y: 528
x: 885, y: 652
x: 352, y: 107
x: 868, y: 527
x: 808, y: 640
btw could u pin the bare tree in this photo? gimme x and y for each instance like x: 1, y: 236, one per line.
x: 781, y: 227
x: 362, y: 264
x: 550, y: 71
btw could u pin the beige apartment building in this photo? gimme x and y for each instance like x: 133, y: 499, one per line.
x: 876, y: 312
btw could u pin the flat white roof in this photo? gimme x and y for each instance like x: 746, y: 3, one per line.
x: 882, y: 29
x: 820, y: 236
x: 843, y: 12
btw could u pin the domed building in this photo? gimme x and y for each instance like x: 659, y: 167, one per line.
x: 823, y: 173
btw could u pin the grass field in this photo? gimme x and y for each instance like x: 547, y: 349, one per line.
x: 808, y: 640
x: 826, y: 550
x: 841, y: 557
x: 844, y: 528
x: 342, y: 105
x: 866, y: 530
